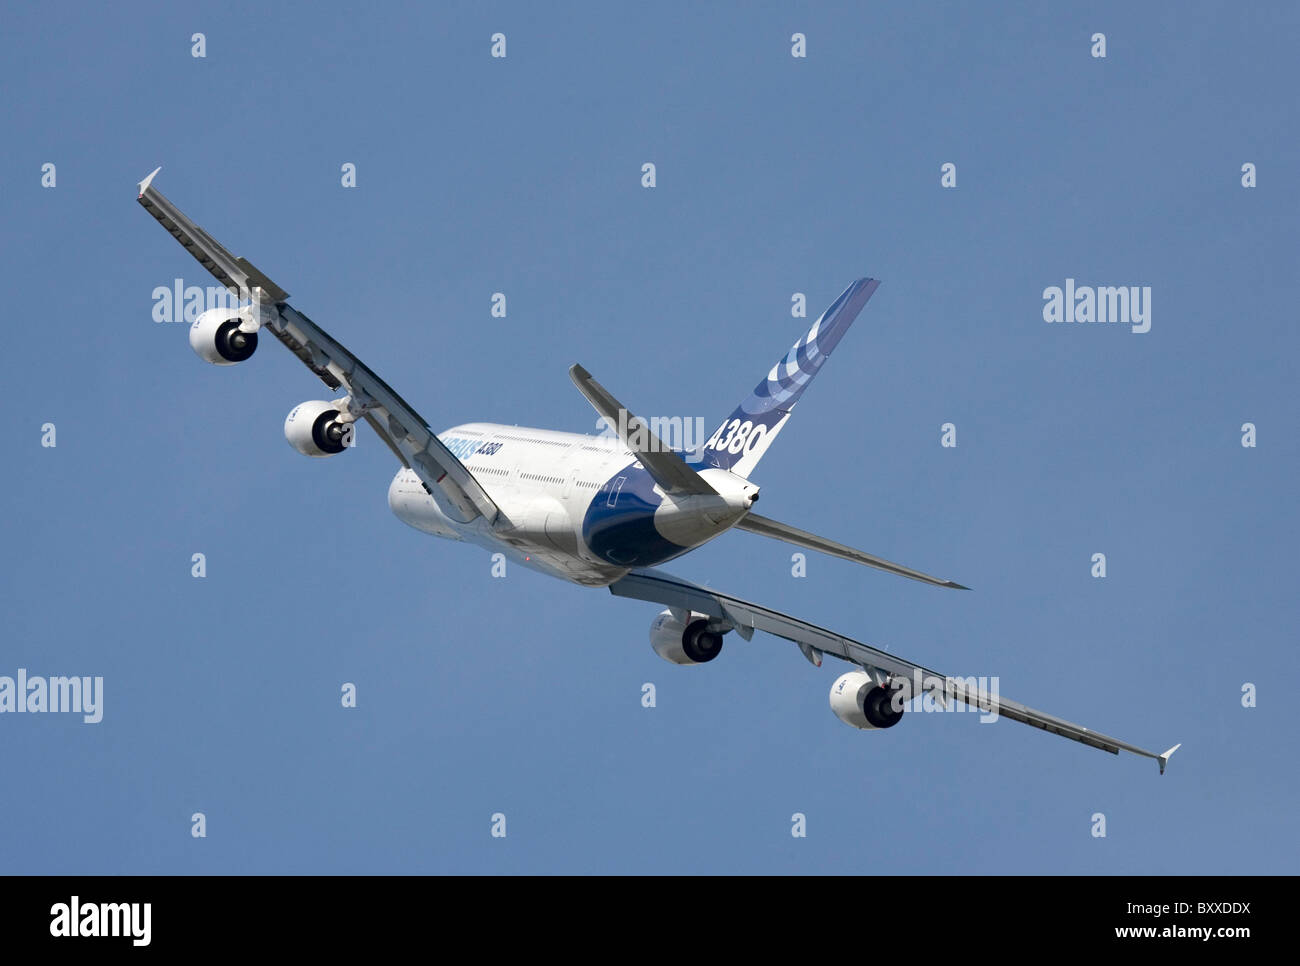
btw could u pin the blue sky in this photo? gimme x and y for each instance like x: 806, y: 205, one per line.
x: 775, y: 175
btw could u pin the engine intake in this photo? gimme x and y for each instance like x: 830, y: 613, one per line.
x: 685, y: 639
x: 859, y: 701
x: 314, y: 429
x: 216, y: 337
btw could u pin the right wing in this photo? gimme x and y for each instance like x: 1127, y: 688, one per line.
x: 802, y: 538
x: 889, y: 670
x: 445, y: 478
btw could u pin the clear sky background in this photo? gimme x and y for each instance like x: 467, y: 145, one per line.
x: 776, y: 175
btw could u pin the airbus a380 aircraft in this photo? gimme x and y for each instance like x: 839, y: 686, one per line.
x: 596, y: 511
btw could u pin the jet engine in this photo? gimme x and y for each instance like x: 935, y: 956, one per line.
x: 215, y: 336
x: 315, y: 429
x: 684, y: 637
x: 859, y: 701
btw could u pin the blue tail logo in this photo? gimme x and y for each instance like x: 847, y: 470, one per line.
x: 745, y: 435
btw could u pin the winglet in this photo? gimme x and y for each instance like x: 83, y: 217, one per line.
x: 144, y: 185
x: 1164, y: 759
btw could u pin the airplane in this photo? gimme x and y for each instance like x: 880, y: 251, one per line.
x: 598, y: 511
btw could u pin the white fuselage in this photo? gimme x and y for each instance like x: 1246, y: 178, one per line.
x: 574, y: 506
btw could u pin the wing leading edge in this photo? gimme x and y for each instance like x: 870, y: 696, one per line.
x: 405, y: 432
x: 745, y: 617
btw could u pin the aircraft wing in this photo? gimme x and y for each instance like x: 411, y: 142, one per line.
x: 407, y: 434
x: 889, y: 670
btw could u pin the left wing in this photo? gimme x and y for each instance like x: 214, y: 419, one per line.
x: 407, y: 434
x: 888, y: 669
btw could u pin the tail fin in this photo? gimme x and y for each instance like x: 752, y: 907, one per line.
x: 745, y: 435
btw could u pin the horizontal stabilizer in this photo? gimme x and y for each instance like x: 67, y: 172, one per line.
x: 810, y: 541
x: 668, y: 469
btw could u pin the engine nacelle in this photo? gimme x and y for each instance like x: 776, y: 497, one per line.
x: 859, y: 701
x: 685, y: 639
x: 215, y: 336
x: 313, y: 429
